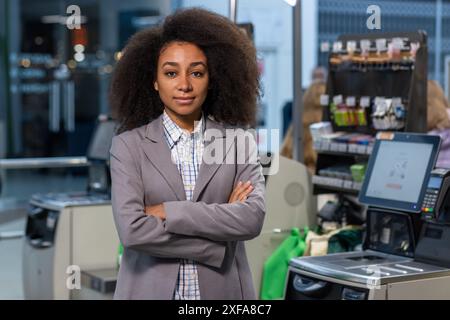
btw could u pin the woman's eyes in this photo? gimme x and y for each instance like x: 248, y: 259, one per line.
x: 197, y: 74
x: 173, y: 74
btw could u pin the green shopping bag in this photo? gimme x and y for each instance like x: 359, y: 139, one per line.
x: 119, y: 254
x: 276, y: 266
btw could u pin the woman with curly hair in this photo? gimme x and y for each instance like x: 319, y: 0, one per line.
x: 179, y: 92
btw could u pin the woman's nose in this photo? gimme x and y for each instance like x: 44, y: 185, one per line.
x: 184, y: 84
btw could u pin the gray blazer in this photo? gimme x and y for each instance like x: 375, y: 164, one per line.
x: 207, y: 229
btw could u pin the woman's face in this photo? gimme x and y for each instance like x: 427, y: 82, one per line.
x: 182, y: 78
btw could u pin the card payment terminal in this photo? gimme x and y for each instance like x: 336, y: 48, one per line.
x: 437, y: 185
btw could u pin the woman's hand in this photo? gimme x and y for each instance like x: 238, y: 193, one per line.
x: 156, y: 210
x: 240, y: 192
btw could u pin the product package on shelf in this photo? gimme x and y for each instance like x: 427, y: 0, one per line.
x: 343, y: 142
x: 374, y: 54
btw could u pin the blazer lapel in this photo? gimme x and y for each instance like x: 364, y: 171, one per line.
x: 207, y: 170
x: 157, y: 151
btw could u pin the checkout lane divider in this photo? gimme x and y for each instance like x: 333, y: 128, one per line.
x: 10, y: 235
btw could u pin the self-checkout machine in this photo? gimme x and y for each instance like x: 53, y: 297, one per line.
x: 407, y: 245
x: 70, y: 248
x: 289, y: 204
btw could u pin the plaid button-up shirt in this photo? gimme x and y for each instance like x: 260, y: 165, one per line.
x: 186, y: 151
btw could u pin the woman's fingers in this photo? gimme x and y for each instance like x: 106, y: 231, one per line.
x: 233, y: 196
x: 243, y: 196
x: 243, y: 191
x: 240, y: 192
x: 240, y: 187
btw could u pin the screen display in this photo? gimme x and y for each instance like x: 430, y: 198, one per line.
x: 101, y: 141
x: 435, y: 183
x: 399, y: 171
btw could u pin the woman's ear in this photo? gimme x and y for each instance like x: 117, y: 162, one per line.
x: 155, y: 85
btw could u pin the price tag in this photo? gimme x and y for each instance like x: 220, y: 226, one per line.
x: 350, y: 101
x: 351, y: 46
x: 384, y: 136
x: 324, y: 100
x: 329, y: 181
x: 325, y: 46
x: 337, y: 182
x: 325, y: 145
x: 348, y: 184
x: 398, y: 43
x: 361, y: 149
x: 364, y: 102
x: 365, y: 45
x: 397, y: 101
x: 334, y: 146
x: 337, y: 100
x: 353, y: 148
x: 342, y: 147
x: 316, y: 179
x: 381, y: 45
x: 337, y: 46
x: 380, y: 105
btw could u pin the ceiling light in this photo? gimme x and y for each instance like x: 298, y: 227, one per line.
x: 292, y: 3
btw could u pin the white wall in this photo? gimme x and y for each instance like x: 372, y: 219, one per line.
x: 310, y: 45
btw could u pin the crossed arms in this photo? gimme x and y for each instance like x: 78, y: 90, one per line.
x: 183, y: 229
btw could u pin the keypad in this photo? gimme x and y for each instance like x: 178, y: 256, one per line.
x: 429, y: 202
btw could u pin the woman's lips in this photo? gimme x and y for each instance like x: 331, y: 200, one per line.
x: 184, y: 100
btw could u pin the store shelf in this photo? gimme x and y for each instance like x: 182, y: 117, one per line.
x: 336, y: 148
x: 342, y: 154
x: 336, y: 184
x: 347, y: 145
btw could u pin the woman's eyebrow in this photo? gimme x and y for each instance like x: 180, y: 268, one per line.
x: 176, y: 64
x: 173, y: 64
x: 198, y: 63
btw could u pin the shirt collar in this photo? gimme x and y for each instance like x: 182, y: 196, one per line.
x: 173, y: 132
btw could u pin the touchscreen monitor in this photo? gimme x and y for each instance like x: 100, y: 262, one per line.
x: 398, y: 171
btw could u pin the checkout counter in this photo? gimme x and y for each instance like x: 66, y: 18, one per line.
x: 407, y: 245
x: 74, y: 231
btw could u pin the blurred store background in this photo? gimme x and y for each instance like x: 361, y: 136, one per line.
x: 54, y: 81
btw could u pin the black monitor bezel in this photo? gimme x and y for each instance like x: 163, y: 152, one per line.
x: 91, y: 142
x: 414, y: 207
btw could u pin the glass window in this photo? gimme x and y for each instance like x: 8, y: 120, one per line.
x: 349, y: 16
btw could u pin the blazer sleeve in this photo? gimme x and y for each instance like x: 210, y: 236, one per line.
x: 223, y: 221
x: 139, y: 231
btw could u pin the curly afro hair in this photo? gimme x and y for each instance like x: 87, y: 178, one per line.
x: 232, y: 66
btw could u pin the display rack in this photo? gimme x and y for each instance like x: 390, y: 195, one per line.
x: 377, y: 82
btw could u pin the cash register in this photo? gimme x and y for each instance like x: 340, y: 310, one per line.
x: 406, y: 251
x: 66, y: 232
